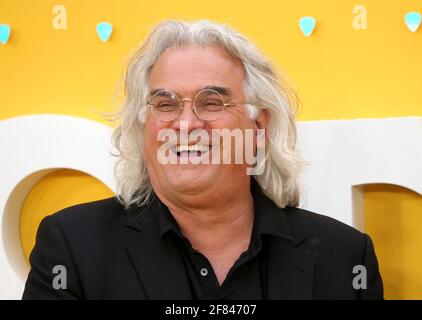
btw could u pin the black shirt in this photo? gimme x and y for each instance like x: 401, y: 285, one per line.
x: 247, y: 278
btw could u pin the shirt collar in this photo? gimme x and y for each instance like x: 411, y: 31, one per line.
x: 268, y: 219
x: 166, y: 221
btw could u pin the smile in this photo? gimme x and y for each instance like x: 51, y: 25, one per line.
x: 193, y: 150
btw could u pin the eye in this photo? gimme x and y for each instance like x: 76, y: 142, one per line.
x: 212, y: 102
x: 166, y: 106
x: 212, y: 105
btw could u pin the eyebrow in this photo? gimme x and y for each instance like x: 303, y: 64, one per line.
x: 221, y: 90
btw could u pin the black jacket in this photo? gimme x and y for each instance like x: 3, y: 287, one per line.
x: 113, y: 253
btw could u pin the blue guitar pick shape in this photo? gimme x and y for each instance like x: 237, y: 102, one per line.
x: 307, y: 25
x: 4, y: 33
x: 413, y: 20
x: 104, y: 30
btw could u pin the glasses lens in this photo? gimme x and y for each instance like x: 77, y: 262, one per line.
x: 165, y: 105
x: 209, y: 104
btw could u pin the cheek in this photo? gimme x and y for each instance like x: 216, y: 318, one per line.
x: 151, y: 143
x: 152, y: 129
x: 236, y: 118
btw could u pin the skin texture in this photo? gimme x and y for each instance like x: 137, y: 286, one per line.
x: 211, y: 203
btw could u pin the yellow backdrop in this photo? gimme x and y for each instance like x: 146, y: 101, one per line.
x: 339, y: 72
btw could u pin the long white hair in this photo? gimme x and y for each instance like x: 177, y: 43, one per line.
x: 264, y: 88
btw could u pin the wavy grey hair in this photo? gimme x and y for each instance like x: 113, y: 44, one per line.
x: 263, y: 87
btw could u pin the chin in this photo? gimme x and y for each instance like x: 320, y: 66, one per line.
x: 191, y: 177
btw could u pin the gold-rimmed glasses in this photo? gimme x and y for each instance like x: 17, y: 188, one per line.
x: 207, y: 104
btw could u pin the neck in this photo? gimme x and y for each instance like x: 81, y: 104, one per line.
x: 214, y: 223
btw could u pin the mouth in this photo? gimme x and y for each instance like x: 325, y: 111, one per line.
x: 190, y: 151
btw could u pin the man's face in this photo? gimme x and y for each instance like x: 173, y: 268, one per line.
x: 186, y: 71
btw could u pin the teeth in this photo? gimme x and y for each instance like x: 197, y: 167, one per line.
x: 193, y: 147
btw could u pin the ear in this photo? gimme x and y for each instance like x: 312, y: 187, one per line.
x: 262, y: 122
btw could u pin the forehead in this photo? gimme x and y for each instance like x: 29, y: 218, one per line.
x: 185, y: 70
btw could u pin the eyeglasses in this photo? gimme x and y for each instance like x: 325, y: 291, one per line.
x: 208, y: 105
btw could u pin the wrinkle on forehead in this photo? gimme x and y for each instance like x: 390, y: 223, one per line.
x: 189, y: 69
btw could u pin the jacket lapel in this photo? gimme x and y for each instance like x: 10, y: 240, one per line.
x: 291, y: 272
x: 158, y: 264
x: 291, y: 264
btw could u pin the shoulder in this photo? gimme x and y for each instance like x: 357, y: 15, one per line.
x: 85, y: 239
x: 95, y: 221
x: 96, y: 212
x: 321, y: 229
x: 90, y: 231
x: 337, y: 249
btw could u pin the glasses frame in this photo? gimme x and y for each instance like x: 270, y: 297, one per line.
x: 183, y: 100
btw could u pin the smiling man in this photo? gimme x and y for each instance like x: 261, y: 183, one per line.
x: 192, y: 228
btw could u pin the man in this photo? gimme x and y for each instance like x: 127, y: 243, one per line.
x: 194, y: 228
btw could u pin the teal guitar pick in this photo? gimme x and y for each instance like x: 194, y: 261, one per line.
x: 4, y: 33
x: 307, y: 25
x: 413, y: 20
x: 104, y: 30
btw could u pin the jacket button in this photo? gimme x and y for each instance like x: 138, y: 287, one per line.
x: 204, y: 272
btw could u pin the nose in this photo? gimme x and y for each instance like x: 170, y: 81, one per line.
x: 188, y: 117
